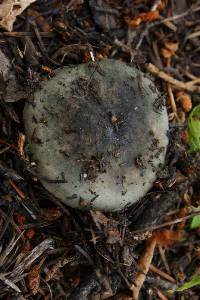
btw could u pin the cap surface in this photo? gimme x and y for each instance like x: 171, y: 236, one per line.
x: 95, y: 127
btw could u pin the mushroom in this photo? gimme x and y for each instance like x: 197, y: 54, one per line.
x: 97, y: 134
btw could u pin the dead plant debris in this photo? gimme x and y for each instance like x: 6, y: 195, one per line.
x: 50, y: 251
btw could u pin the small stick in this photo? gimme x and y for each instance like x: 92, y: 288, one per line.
x: 170, y: 25
x: 126, y: 48
x: 155, y: 5
x: 188, y: 86
x: 163, y: 257
x: 10, y: 145
x: 161, y: 295
x: 144, y: 264
x: 17, y: 34
x: 162, y: 274
x: 192, y: 82
x: 193, y: 35
x: 17, y: 189
x: 180, y: 16
x: 172, y: 100
x: 179, y: 220
x: 167, y: 22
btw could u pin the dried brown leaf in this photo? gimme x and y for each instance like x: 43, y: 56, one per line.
x: 10, y: 9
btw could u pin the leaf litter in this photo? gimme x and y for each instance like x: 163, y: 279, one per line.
x: 49, y: 250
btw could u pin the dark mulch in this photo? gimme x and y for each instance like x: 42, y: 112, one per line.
x: 50, y: 251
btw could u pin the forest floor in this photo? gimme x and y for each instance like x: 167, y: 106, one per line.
x: 51, y: 251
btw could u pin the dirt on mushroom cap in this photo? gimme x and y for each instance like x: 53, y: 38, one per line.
x: 96, y: 127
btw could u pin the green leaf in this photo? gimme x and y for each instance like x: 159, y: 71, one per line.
x: 195, y: 222
x: 193, y: 282
x: 194, y: 129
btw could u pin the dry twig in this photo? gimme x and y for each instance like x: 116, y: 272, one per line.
x: 192, y: 10
x: 176, y: 221
x: 17, y: 189
x: 172, y: 101
x: 161, y: 295
x: 144, y: 264
x: 187, y: 86
x: 162, y: 274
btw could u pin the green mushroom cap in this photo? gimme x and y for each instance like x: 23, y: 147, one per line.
x: 97, y: 135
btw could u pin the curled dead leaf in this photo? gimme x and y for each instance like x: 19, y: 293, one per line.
x: 10, y: 9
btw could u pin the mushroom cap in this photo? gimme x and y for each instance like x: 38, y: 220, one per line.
x: 96, y: 136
